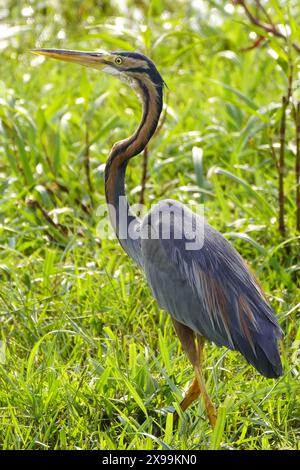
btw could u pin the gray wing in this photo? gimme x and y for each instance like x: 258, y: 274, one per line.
x: 209, y: 289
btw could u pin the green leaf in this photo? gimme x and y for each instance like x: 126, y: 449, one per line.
x: 220, y: 424
x: 263, y: 205
x: 23, y: 156
x: 135, y: 395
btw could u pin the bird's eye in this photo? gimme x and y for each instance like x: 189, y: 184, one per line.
x: 118, y: 60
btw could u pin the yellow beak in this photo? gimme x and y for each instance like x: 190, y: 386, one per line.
x: 97, y: 60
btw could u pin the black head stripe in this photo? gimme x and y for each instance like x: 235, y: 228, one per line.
x: 153, y: 74
x: 151, y: 70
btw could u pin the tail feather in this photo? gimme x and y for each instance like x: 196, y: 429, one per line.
x: 265, y: 356
x: 265, y: 366
x: 260, y: 344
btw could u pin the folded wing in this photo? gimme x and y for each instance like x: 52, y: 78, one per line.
x: 209, y: 289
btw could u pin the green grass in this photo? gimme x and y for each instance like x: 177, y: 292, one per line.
x: 91, y: 361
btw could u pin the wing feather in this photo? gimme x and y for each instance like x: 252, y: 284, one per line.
x: 211, y: 290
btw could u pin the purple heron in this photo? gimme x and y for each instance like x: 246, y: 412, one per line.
x: 209, y: 292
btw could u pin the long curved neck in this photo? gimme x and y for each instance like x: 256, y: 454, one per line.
x: 124, y: 222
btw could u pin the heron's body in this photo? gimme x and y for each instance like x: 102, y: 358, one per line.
x: 213, y: 293
x: 209, y: 291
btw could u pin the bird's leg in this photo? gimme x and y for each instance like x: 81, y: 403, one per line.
x: 194, y: 351
x: 209, y: 406
x: 191, y: 395
x: 193, y: 391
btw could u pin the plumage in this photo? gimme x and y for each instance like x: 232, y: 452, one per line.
x: 193, y: 271
x: 210, y: 290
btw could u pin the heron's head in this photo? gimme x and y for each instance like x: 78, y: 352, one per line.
x: 132, y: 67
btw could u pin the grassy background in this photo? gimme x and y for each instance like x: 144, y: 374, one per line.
x: 91, y: 361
